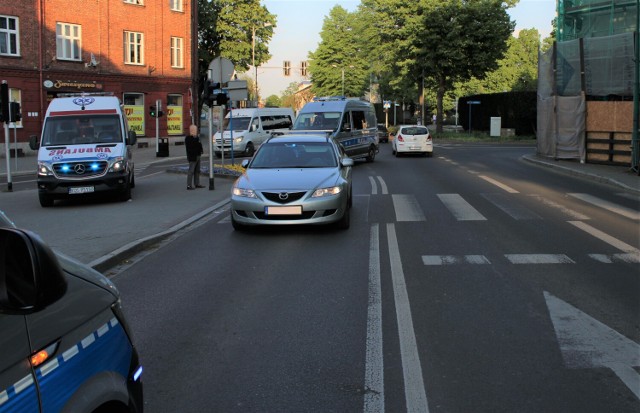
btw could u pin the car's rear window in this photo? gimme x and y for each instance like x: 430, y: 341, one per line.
x: 414, y: 130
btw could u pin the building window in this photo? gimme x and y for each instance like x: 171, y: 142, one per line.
x: 9, y: 38
x: 68, y: 37
x: 134, y: 48
x: 176, y: 52
x: 303, y: 68
x: 286, y: 66
x: 175, y: 5
x: 140, y: 2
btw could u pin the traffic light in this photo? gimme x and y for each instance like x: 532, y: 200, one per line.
x: 4, y: 102
x: 152, y: 111
x: 222, y: 98
x: 14, y: 112
x: 160, y: 113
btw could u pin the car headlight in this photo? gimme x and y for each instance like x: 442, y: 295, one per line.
x: 238, y: 140
x: 44, y: 169
x: 118, y: 165
x: 334, y: 190
x: 247, y: 193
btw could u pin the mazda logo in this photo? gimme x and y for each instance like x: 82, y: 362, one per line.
x: 79, y: 169
x: 283, y: 196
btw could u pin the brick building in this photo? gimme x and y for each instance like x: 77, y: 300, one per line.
x: 138, y: 50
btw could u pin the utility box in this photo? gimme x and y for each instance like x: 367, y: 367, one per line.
x: 496, y: 125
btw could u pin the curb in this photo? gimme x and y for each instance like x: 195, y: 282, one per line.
x: 110, y: 260
x: 574, y: 172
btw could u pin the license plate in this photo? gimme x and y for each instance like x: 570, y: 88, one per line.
x: 283, y: 210
x: 81, y: 189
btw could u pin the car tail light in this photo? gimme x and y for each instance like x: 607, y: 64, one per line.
x: 428, y: 137
x: 400, y: 138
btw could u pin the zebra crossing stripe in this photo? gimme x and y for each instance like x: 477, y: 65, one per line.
x: 461, y: 209
x: 539, y: 259
x: 407, y: 208
x: 610, y: 206
x: 453, y: 259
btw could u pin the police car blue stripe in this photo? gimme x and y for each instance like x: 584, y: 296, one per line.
x: 49, y: 367
x: 27, y: 381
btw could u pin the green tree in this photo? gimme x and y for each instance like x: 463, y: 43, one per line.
x: 461, y: 40
x: 226, y: 29
x: 273, y: 101
x: 340, y: 51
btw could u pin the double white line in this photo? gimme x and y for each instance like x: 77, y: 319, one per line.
x: 415, y: 395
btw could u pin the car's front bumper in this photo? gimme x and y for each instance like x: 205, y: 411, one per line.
x: 325, y: 210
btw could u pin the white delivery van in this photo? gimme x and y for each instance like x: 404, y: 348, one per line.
x: 85, y: 148
x: 350, y: 121
x: 249, y: 128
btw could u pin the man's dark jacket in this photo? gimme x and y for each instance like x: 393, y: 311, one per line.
x: 194, y: 148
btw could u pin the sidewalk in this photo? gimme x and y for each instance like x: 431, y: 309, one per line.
x: 619, y: 176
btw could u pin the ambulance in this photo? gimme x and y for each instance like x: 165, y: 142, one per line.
x: 85, y: 148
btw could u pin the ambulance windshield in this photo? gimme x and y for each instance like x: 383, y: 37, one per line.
x: 81, y: 129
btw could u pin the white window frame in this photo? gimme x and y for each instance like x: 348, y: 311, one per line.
x: 175, y: 5
x: 68, y: 41
x: 286, y: 66
x: 133, y: 45
x: 15, y: 95
x: 177, y: 54
x: 138, y: 2
x: 9, y: 34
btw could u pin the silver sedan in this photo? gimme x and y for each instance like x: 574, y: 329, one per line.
x: 294, y: 179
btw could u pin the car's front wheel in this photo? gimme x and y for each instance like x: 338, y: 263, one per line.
x: 345, y: 221
x: 371, y: 155
x: 45, y: 200
x: 249, y: 150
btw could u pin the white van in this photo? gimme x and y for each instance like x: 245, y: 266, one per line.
x: 246, y: 129
x: 85, y: 147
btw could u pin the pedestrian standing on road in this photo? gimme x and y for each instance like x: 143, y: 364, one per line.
x: 194, y: 151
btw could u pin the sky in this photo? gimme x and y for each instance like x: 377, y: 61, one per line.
x: 299, y: 23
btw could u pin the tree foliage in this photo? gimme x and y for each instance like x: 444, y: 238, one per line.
x: 226, y: 29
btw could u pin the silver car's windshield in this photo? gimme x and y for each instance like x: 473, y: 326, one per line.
x: 81, y: 129
x: 295, y: 155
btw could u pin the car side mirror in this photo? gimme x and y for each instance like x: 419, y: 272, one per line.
x: 245, y: 163
x: 132, y: 137
x: 346, y: 162
x: 30, y: 275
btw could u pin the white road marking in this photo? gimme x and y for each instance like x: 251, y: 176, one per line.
x: 622, y: 246
x: 567, y: 211
x: 374, y: 366
x: 587, y: 343
x: 539, y: 259
x: 461, y: 209
x: 611, y: 258
x: 499, y: 184
x: 383, y: 186
x: 374, y: 187
x: 407, y: 208
x: 610, y: 206
x: 509, y: 206
x: 414, y: 391
x: 453, y: 259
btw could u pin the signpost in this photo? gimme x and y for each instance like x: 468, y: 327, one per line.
x: 220, y: 71
x: 471, y: 103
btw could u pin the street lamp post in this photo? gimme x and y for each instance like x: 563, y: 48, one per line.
x: 253, y: 58
x: 342, y: 69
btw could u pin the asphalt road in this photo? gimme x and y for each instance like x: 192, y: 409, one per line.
x: 470, y: 281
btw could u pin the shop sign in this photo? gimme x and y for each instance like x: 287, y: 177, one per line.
x: 174, y: 120
x: 71, y: 84
x: 135, y: 118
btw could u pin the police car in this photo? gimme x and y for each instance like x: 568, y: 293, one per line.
x: 65, y: 344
